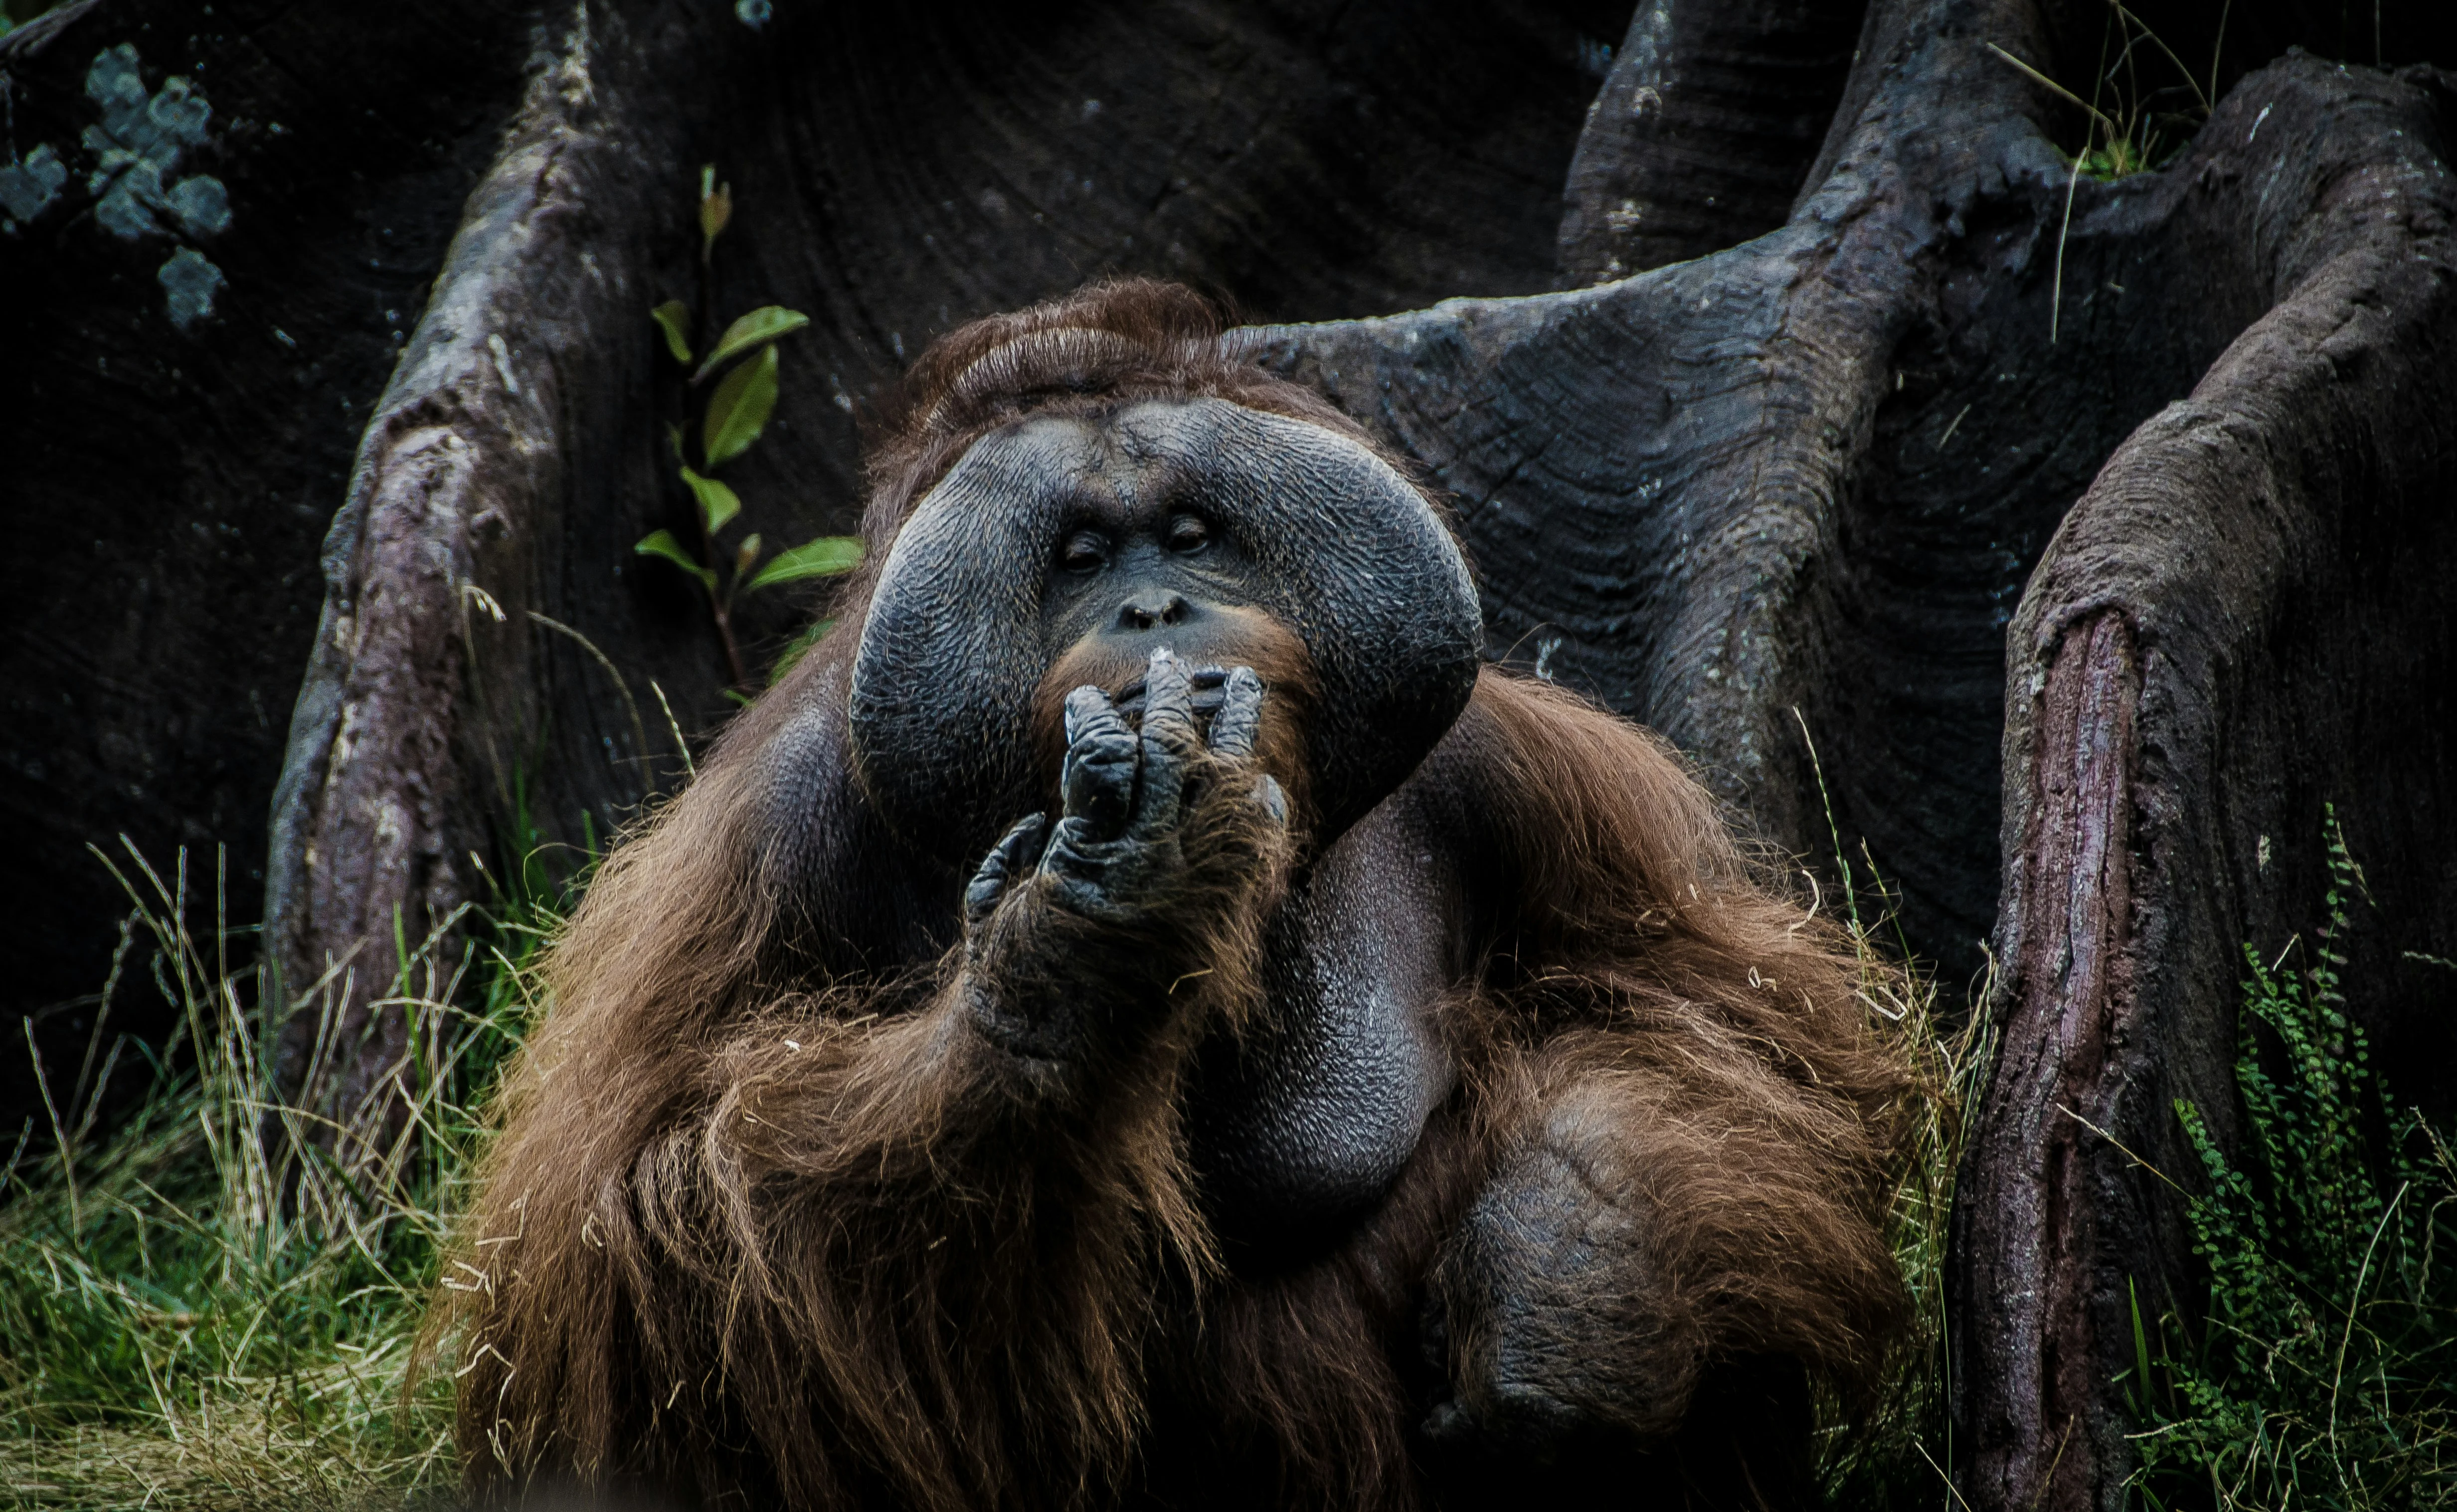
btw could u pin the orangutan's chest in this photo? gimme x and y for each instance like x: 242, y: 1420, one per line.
x: 1301, y: 1124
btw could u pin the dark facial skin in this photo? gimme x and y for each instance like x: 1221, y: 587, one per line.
x: 1303, y: 1125
x: 1131, y: 577
x: 1128, y: 575
x: 1058, y: 551
x: 1235, y: 540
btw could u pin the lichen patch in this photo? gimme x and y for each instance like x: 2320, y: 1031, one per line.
x: 137, y: 146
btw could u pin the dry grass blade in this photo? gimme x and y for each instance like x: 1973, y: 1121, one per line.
x: 211, y: 1310
x: 2097, y: 115
x: 1884, y: 1457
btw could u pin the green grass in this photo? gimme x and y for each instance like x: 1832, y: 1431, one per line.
x: 2324, y: 1374
x: 195, y: 1315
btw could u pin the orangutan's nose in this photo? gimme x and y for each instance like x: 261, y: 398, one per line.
x: 1154, y: 611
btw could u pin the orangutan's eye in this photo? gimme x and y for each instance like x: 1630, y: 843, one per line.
x: 1085, y: 552
x: 1187, y: 533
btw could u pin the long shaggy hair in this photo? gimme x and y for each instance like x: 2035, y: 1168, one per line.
x: 760, y: 1225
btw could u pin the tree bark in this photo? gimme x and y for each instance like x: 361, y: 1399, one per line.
x: 1705, y: 130
x: 2246, y: 617
x: 1809, y: 475
x: 2096, y: 532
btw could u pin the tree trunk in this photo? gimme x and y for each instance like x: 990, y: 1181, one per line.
x: 1808, y: 478
x: 2096, y: 532
x: 2246, y: 617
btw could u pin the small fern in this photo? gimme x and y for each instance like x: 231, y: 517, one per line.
x: 2325, y: 1374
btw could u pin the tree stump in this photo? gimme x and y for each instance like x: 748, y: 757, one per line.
x: 2095, y: 531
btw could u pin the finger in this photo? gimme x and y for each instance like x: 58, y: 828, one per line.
x: 1088, y: 711
x: 1098, y: 778
x: 1239, y: 719
x: 1274, y: 798
x: 1024, y: 842
x: 1169, y: 700
x: 1089, y: 872
x: 1168, y: 737
x: 1010, y: 858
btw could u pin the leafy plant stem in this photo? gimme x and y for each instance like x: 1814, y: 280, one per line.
x: 735, y: 415
x: 2329, y: 1216
x: 721, y: 608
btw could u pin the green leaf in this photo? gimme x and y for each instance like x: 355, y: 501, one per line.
x: 825, y: 557
x: 797, y: 649
x: 662, y: 542
x: 758, y: 328
x: 739, y: 409
x: 747, y: 554
x: 718, y: 504
x: 673, y: 318
x: 2141, y: 1353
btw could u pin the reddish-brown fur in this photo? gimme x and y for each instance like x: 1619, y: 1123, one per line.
x: 754, y: 1231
